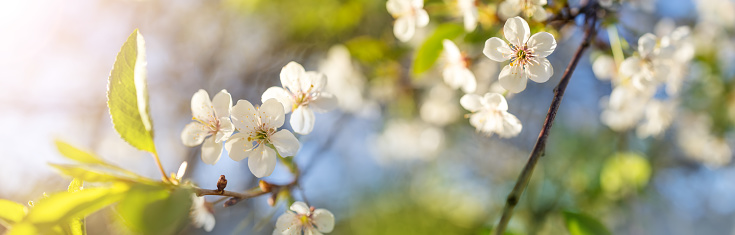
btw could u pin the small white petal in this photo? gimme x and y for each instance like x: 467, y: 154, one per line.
x: 323, y: 220
x: 539, y: 14
x: 324, y: 102
x: 512, y: 78
x: 285, y: 142
x: 314, y: 81
x: 516, y: 31
x: 244, y: 116
x: 540, y: 72
x: 422, y: 18
x: 511, y: 126
x: 302, y: 120
x: 211, y: 151
x: 495, y: 101
x: 397, y: 7
x: 288, y: 224
x: 451, y: 51
x: 470, y: 20
x: 508, y: 9
x: 630, y: 66
x: 291, y: 76
x: 646, y: 44
x: 194, y: 133
x: 471, y: 102
x: 222, y: 104
x: 262, y: 161
x: 311, y: 231
x: 542, y: 44
x: 209, y: 222
x: 182, y: 171
x: 469, y: 84
x: 300, y: 208
x: 417, y: 3
x: 279, y: 94
x: 497, y: 50
x: 404, y: 28
x: 604, y: 67
x: 271, y: 113
x: 238, y: 146
x: 201, y: 106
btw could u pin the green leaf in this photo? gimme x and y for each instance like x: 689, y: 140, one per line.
x: 62, y: 207
x: 76, y: 226
x: 11, y: 212
x: 623, y: 173
x: 81, y: 173
x: 581, y: 224
x: 155, y: 209
x: 431, y: 48
x: 127, y: 95
x: 76, y: 154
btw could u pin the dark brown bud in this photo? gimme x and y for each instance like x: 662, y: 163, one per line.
x: 231, y: 202
x: 221, y: 183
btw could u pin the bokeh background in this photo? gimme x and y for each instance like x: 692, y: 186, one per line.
x: 384, y: 163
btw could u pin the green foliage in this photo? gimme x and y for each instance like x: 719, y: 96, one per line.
x: 152, y: 209
x: 76, y: 226
x: 367, y: 50
x: 127, y: 95
x: 624, y: 173
x: 76, y: 154
x: 430, y: 50
x: 581, y: 224
x: 79, y: 172
x: 11, y: 212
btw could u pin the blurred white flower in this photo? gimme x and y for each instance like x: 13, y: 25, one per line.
x: 303, y: 93
x: 720, y: 13
x: 527, y: 55
x: 490, y: 115
x: 409, y: 15
x: 531, y: 8
x: 344, y: 80
x: 456, y: 69
x: 625, y: 106
x: 604, y: 68
x: 260, y: 125
x: 648, y: 68
x: 439, y: 106
x: 403, y: 140
x: 658, y: 117
x: 202, y: 213
x: 211, y: 118
x: 468, y: 9
x: 302, y: 219
x: 695, y: 137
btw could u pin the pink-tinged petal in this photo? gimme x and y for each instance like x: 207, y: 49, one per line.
x: 288, y: 224
x: 300, y: 208
x: 211, y: 151
x: 323, y: 220
x: 471, y: 102
x: 201, y: 106
x: 222, y: 104
x: 225, y: 130
x: 279, y: 94
x: 516, y: 31
x: 404, y: 28
x: 540, y: 72
x: 422, y: 18
x: 324, y: 102
x: 512, y: 78
x: 495, y: 101
x: 244, y: 116
x: 497, y: 50
x: 646, y: 44
x: 542, y: 44
x: 238, y: 146
x: 511, y: 126
x: 194, y: 133
x: 302, y: 120
x: 291, y: 76
x: 271, y: 113
x: 262, y: 161
x: 285, y: 142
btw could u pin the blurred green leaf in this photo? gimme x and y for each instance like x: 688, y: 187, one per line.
x: 76, y: 154
x: 11, y: 212
x: 623, y: 173
x: 62, y: 207
x: 76, y: 226
x: 155, y: 209
x: 80, y: 172
x: 430, y: 50
x: 127, y: 96
x: 366, y: 49
x: 581, y: 224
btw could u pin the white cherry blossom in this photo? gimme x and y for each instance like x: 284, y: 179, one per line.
x: 658, y: 117
x: 490, y: 115
x: 625, y: 107
x: 345, y: 81
x: 303, y: 93
x: 527, y: 55
x: 302, y: 219
x: 426, y: 142
x: 260, y: 126
x: 211, y: 124
x: 695, y: 137
x: 409, y: 15
x: 202, y: 213
x: 648, y: 68
x: 530, y: 8
x: 468, y: 9
x: 456, y: 70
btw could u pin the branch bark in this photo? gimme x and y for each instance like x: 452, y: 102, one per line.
x: 540, y: 146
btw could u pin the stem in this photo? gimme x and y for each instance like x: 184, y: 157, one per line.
x: 538, y: 149
x: 254, y: 192
x: 160, y: 167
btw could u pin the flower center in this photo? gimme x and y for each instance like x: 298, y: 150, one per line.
x: 303, y: 98
x: 521, y: 55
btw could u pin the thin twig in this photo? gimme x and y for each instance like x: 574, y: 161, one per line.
x: 538, y: 149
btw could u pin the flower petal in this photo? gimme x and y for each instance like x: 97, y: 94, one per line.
x: 404, y: 28
x: 285, y: 142
x: 222, y: 104
x: 422, y: 17
x: 211, y: 151
x: 646, y: 44
x: 495, y: 101
x: 469, y: 83
x: 313, y: 81
x: 509, y: 8
x: 516, y: 31
x: 471, y: 102
x: 539, y: 14
x: 311, y: 231
x: 452, y: 53
x: 194, y: 133
x: 291, y: 76
x: 262, y: 161
x: 540, y: 72
x: 238, y: 146
x: 271, y: 113
x: 630, y: 66
x: 470, y: 19
x: 279, y: 94
x: 542, y: 44
x: 497, y: 50
x: 201, y: 106
x: 512, y: 79
x: 288, y: 224
x: 300, y: 208
x: 511, y: 126
x: 302, y: 120
x: 225, y: 129
x: 324, y: 102
x: 323, y: 220
x: 397, y: 7
x: 244, y: 116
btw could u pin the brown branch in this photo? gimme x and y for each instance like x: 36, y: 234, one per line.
x: 235, y: 197
x: 538, y: 149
